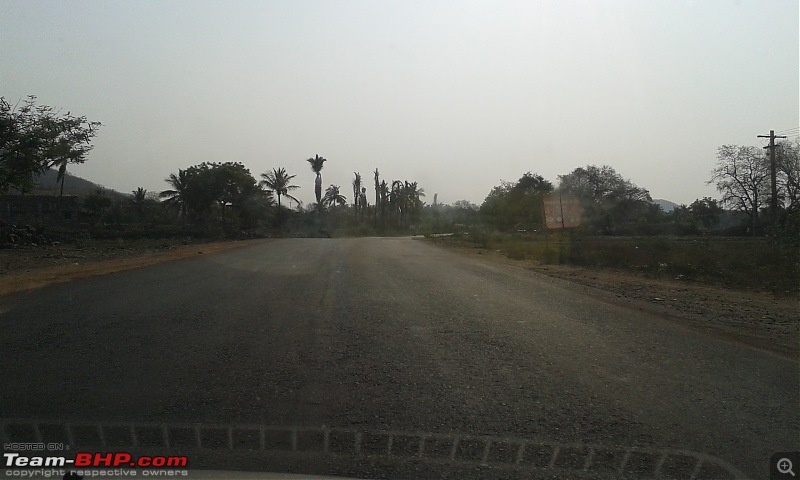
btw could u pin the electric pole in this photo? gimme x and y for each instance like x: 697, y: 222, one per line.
x: 773, y: 173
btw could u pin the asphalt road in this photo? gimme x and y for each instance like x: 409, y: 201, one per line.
x: 392, y: 334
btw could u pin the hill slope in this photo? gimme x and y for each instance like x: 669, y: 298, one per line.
x: 665, y: 205
x: 46, y: 184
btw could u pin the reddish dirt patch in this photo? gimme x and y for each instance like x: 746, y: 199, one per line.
x: 32, y: 267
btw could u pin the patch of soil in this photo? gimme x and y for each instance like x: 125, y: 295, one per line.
x: 30, y: 267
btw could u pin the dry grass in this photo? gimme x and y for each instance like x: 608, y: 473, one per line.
x: 753, y: 264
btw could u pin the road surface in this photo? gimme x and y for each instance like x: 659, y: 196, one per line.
x: 388, y: 334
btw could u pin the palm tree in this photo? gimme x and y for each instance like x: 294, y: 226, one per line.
x: 333, y: 197
x: 412, y: 196
x: 62, y: 172
x: 356, y: 193
x: 316, y: 167
x: 177, y: 194
x: 396, y: 199
x: 278, y: 181
x: 384, y: 196
x: 139, y: 197
x: 413, y: 193
x: 377, y: 195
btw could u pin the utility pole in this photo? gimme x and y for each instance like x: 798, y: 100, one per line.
x: 773, y: 173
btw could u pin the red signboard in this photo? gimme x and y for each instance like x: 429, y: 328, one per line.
x: 562, y: 211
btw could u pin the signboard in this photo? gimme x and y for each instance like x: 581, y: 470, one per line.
x: 562, y: 211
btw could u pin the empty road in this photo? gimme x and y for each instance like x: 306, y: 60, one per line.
x: 388, y: 334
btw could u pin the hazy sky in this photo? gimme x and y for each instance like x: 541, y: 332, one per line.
x: 454, y: 94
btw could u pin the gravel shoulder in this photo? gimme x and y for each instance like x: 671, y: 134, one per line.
x: 758, y: 319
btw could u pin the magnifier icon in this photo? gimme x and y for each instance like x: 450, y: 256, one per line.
x: 785, y: 466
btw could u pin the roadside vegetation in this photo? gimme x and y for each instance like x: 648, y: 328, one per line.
x: 748, y: 238
x: 735, y: 242
x: 758, y: 264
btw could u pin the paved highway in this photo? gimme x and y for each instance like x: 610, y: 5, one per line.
x: 391, y: 334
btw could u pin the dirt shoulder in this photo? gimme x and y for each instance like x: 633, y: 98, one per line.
x: 31, y: 267
x: 758, y: 319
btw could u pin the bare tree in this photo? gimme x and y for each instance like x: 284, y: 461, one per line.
x: 742, y: 176
x: 788, y: 163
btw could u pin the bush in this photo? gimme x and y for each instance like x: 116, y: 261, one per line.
x: 765, y: 264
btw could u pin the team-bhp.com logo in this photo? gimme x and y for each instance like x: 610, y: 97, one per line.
x: 95, y: 460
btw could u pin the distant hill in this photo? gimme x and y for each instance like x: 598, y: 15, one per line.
x: 46, y: 184
x: 665, y: 205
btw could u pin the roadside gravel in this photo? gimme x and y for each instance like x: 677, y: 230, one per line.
x: 759, y: 319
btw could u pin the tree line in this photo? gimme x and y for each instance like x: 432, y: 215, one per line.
x: 207, y: 192
x: 35, y: 138
x: 612, y: 204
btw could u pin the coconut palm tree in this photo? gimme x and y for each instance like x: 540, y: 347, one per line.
x: 62, y: 173
x: 316, y: 166
x: 396, y: 200
x: 139, y: 199
x: 383, y: 200
x: 377, y: 195
x: 412, y: 194
x: 279, y: 182
x: 177, y: 195
x: 333, y: 197
x: 356, y: 193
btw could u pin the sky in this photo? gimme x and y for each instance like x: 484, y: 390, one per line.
x: 456, y: 95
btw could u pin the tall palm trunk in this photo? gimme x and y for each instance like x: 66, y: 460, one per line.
x: 377, y: 196
x: 318, y: 189
x: 62, y: 174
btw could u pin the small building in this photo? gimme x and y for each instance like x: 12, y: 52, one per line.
x: 38, y: 210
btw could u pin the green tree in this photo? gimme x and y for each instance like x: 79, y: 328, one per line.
x: 139, y: 200
x: 707, y: 212
x: 35, y: 138
x: 464, y: 212
x: 201, y: 193
x: 517, y: 205
x: 177, y: 195
x: 609, y: 201
x: 333, y: 197
x: 234, y: 188
x: 202, y: 189
x: 412, y: 200
x: 279, y: 182
x: 403, y: 201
